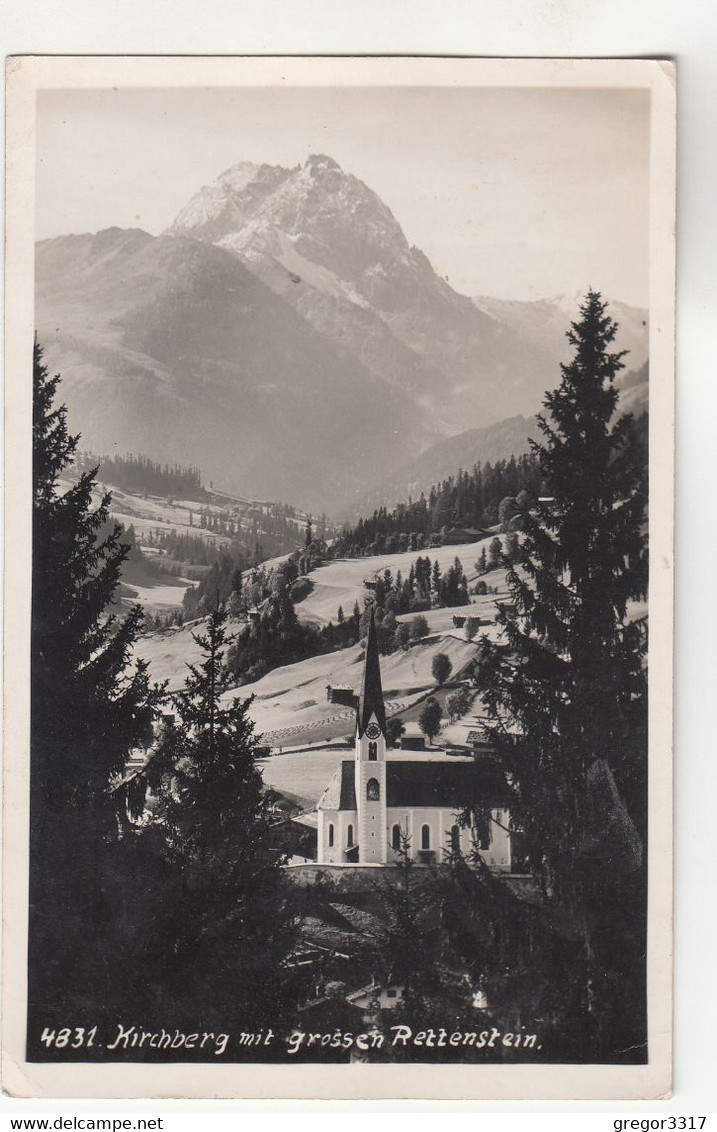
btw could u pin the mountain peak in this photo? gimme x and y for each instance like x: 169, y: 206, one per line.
x: 307, y: 221
x: 320, y: 161
x: 327, y: 244
x: 244, y: 173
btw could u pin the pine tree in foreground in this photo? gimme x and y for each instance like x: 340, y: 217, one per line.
x: 567, y: 697
x: 225, y: 924
x: 88, y: 710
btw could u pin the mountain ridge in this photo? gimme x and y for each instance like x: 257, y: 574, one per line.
x: 173, y: 347
x: 325, y: 242
x: 285, y: 336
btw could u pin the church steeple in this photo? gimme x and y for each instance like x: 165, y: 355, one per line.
x: 371, y: 697
x: 370, y: 763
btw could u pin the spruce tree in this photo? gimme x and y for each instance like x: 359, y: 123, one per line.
x: 225, y: 924
x: 88, y: 711
x: 495, y: 551
x: 407, y: 947
x: 511, y: 547
x: 436, y: 579
x: 567, y: 697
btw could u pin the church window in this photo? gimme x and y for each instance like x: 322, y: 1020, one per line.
x: 373, y: 790
x: 482, y: 831
x: 350, y: 836
x: 331, y: 835
x: 455, y: 838
x: 372, y: 752
x: 396, y: 837
x: 425, y: 837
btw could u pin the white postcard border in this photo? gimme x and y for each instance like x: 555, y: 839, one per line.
x: 27, y: 75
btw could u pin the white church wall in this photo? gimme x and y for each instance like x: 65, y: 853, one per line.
x: 339, y: 821
x: 440, y: 821
x: 411, y: 822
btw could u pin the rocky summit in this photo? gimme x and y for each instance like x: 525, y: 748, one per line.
x: 284, y: 336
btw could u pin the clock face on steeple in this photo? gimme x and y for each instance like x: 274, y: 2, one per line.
x: 373, y: 731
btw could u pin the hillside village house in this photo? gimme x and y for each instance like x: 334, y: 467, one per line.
x: 377, y: 799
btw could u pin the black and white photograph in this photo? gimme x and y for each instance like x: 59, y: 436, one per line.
x: 351, y: 403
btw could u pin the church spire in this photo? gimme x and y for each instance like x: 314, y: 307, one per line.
x: 371, y: 698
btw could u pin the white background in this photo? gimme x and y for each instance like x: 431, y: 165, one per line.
x: 686, y: 31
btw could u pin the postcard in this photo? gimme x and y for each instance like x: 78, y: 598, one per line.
x: 339, y: 503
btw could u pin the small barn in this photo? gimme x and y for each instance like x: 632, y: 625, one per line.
x: 342, y: 694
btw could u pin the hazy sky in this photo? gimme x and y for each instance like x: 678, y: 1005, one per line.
x: 511, y: 193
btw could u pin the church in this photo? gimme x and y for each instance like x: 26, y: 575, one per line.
x: 380, y: 802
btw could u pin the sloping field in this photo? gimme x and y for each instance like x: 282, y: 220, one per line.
x: 341, y: 583
x: 168, y: 653
x: 412, y: 669
x: 151, y: 511
x: 290, y: 704
x: 160, y: 594
x: 303, y: 775
x: 484, y: 607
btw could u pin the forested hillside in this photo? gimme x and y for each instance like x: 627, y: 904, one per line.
x: 462, y: 505
x: 458, y: 508
x: 140, y: 473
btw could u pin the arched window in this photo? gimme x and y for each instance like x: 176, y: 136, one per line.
x: 396, y: 837
x: 373, y: 790
x: 331, y: 836
x: 455, y: 838
x: 425, y: 837
x: 350, y: 836
x: 372, y: 752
